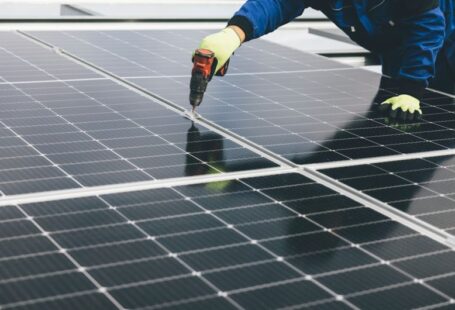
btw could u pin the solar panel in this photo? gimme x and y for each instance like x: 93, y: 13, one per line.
x: 317, y: 117
x: 307, y: 117
x: 277, y: 241
x: 61, y: 134
x: 168, y: 53
x: 88, y: 133
x: 423, y: 188
x: 22, y: 60
x: 267, y: 242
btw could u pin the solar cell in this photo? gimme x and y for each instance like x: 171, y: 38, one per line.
x: 166, y: 248
x: 424, y: 188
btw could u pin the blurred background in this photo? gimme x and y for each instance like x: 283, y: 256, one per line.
x: 307, y: 33
x: 145, y: 9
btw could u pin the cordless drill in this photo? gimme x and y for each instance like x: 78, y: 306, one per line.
x: 204, y: 65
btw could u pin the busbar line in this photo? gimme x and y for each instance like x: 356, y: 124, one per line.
x: 138, y: 186
x: 244, y: 74
x: 52, y: 81
x: 441, y: 92
x: 410, y: 221
x: 379, y: 159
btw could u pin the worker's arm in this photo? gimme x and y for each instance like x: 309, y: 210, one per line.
x: 423, y: 37
x: 423, y: 26
x: 259, y: 17
x: 254, y: 19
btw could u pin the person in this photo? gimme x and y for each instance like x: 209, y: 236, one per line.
x: 415, y: 39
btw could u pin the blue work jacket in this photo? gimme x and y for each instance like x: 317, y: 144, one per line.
x: 407, y: 34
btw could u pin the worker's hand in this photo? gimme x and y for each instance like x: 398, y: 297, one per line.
x: 403, y: 107
x: 223, y: 44
x: 402, y: 126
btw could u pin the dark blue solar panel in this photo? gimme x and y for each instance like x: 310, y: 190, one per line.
x: 325, y: 113
x: 166, y: 247
x: 424, y: 188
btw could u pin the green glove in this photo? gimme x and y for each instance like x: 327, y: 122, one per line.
x: 403, y: 107
x: 223, y: 44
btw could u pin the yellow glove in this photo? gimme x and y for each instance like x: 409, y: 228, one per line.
x: 403, y: 107
x: 223, y: 44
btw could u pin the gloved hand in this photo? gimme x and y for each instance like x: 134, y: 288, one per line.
x: 404, y: 107
x: 223, y: 44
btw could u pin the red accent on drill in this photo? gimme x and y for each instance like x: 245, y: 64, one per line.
x: 204, y: 65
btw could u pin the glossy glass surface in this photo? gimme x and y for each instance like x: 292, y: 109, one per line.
x: 88, y: 133
x: 269, y: 242
x: 156, y: 247
x: 307, y: 117
x: 64, y: 126
x: 169, y: 52
x: 22, y: 60
x: 424, y: 188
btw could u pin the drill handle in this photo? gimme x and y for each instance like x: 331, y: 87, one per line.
x: 224, y: 69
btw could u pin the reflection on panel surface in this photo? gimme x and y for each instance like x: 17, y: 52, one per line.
x: 316, y: 116
x: 267, y: 242
x: 424, y: 188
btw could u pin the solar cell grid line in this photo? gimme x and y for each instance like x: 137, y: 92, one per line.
x: 59, y: 179
x: 79, y: 268
x: 100, y: 288
x: 77, y: 128
x: 15, y: 70
x: 221, y: 293
x: 146, y: 234
x: 363, y: 216
x: 236, y: 267
x: 423, y: 188
x: 172, y: 255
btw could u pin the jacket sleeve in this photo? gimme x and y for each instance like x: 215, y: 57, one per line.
x: 259, y: 17
x: 423, y: 38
